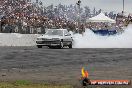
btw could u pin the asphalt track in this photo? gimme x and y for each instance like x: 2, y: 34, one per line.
x: 63, y: 65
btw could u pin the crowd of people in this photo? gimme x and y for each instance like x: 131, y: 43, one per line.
x: 24, y: 16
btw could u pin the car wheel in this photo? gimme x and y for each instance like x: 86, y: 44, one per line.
x: 51, y: 47
x: 70, y: 46
x: 61, y: 45
x: 39, y: 46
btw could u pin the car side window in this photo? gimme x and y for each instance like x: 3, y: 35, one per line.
x: 66, y: 33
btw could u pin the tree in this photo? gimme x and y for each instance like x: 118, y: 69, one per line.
x: 40, y: 3
x: 94, y: 11
x: 87, y: 11
x: 100, y: 10
x: 110, y: 14
x: 37, y: 1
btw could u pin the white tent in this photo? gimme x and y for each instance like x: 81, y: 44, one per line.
x: 101, y: 18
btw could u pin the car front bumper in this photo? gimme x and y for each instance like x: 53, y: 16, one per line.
x: 48, y: 43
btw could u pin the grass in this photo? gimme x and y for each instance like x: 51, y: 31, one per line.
x: 22, y: 82
x: 28, y: 84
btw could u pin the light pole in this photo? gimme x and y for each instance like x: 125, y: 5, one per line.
x: 79, y: 18
x: 123, y: 7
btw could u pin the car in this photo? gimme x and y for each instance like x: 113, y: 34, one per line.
x: 55, y: 38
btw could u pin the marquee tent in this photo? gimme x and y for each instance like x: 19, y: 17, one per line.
x: 101, y: 18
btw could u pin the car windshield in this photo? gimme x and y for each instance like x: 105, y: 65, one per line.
x: 54, y: 32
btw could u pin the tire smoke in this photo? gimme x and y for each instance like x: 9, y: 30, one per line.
x: 91, y: 40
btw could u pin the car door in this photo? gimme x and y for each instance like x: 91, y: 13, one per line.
x: 67, y: 37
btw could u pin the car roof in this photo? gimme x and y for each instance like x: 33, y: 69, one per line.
x: 57, y: 29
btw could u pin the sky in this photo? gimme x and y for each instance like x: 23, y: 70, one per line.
x: 105, y: 5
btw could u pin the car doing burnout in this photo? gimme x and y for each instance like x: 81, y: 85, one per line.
x: 55, y: 38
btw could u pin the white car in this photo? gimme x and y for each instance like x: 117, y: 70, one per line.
x: 55, y: 38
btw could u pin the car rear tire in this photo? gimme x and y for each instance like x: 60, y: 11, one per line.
x: 70, y: 46
x: 39, y: 46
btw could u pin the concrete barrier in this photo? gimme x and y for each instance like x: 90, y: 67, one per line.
x: 15, y: 39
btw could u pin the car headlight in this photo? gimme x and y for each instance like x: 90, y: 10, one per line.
x: 39, y: 38
x: 55, y: 39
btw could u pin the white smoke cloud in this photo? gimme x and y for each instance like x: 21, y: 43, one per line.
x: 91, y: 40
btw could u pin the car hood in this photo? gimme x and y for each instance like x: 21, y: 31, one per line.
x: 50, y: 36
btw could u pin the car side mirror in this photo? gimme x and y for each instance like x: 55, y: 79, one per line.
x: 67, y: 34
